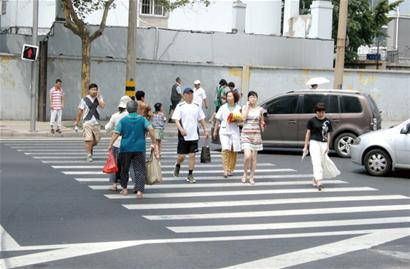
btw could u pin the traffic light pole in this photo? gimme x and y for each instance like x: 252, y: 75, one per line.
x: 34, y: 70
x: 130, y: 79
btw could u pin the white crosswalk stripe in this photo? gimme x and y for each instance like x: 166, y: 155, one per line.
x: 286, y: 225
x: 283, y: 197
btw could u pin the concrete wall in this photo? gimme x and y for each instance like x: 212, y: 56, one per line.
x: 186, y: 46
x: 391, y: 90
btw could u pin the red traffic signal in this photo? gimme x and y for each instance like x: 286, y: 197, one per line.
x: 29, y: 52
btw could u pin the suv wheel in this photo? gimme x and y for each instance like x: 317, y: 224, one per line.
x: 377, y: 162
x: 342, y: 144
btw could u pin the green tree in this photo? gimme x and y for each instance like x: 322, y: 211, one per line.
x: 75, y: 12
x: 364, y: 23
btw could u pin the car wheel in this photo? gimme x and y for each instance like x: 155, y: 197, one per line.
x: 377, y: 162
x: 342, y: 144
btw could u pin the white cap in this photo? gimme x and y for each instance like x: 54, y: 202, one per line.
x: 123, y: 101
x: 197, y: 82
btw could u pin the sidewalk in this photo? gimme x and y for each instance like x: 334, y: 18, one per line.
x: 14, y: 129
x: 20, y: 129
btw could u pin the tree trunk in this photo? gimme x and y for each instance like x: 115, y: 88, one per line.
x: 85, y: 64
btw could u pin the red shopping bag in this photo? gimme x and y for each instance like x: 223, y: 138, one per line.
x: 110, y: 166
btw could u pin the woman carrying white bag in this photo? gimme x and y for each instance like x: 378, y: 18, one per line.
x: 317, y: 138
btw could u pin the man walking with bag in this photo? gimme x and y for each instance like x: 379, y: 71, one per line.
x: 88, y: 109
x: 186, y: 116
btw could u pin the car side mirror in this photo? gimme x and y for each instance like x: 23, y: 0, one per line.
x: 405, y: 129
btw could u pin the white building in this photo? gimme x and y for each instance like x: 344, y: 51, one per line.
x: 261, y: 17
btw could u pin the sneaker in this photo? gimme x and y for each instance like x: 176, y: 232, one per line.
x: 89, y: 158
x: 176, y: 171
x: 52, y: 131
x: 58, y: 131
x: 191, y: 179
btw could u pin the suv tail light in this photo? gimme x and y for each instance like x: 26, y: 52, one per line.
x: 374, y: 124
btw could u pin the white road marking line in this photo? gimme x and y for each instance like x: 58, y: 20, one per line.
x: 261, y: 202
x: 83, y: 156
x: 287, y: 225
x: 7, y: 241
x: 234, y: 193
x: 104, y: 152
x: 171, y: 172
x: 162, y: 166
x: 274, y: 213
x: 216, y: 177
x: 72, y: 161
x: 65, y: 251
x: 220, y: 185
x: 327, y: 251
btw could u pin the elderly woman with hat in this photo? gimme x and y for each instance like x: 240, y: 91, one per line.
x: 116, y: 117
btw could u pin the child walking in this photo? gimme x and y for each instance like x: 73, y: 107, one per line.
x: 158, y: 123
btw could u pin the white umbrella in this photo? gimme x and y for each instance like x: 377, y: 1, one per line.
x: 317, y: 81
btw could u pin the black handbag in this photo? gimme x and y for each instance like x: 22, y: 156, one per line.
x: 206, y: 153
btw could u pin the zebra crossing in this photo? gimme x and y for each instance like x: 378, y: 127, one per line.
x: 282, y: 199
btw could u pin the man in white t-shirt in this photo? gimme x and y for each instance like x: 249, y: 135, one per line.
x: 186, y: 116
x: 88, y: 110
x: 200, y: 95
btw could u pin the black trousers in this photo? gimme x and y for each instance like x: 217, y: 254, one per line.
x: 137, y: 160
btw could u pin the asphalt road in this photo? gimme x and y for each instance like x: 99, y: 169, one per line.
x: 57, y: 212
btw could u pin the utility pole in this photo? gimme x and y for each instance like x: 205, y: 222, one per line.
x: 130, y: 81
x: 34, y: 70
x: 341, y: 44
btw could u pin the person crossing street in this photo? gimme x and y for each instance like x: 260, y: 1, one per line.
x: 186, y: 116
x: 88, y: 110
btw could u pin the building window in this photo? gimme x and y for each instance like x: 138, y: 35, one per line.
x: 148, y: 7
x: 3, y: 7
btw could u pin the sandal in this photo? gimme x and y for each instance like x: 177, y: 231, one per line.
x: 114, y: 187
x: 124, y: 192
x: 244, y: 179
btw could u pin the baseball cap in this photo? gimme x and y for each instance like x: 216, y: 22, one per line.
x: 188, y: 90
x: 197, y: 82
x: 123, y: 101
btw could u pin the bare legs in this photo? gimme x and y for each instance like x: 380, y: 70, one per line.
x: 249, y: 166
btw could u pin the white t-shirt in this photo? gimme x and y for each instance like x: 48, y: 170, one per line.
x: 115, y: 118
x: 85, y: 109
x: 189, y: 114
x: 199, y: 96
x: 222, y: 115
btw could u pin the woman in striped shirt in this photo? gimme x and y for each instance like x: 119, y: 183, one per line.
x: 251, y: 139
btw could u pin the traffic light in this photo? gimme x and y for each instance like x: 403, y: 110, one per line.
x: 29, y: 52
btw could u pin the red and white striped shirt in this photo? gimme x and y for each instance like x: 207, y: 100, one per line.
x: 56, y: 97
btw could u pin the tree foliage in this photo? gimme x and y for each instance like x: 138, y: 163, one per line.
x: 75, y: 13
x: 364, y: 23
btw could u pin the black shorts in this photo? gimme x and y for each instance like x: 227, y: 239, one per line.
x: 187, y: 147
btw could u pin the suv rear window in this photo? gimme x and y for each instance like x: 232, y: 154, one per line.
x: 310, y: 101
x: 350, y: 104
x: 373, y: 105
x: 283, y: 105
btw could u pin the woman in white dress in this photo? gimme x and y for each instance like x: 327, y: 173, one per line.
x: 227, y: 119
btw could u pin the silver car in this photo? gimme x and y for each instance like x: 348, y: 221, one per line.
x: 384, y: 150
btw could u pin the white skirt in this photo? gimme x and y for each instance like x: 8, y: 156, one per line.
x: 323, y: 166
x: 230, y: 142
